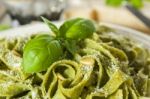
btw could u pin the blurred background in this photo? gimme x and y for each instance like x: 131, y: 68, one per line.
x: 14, y: 13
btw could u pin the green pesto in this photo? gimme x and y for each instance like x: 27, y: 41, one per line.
x: 102, y: 65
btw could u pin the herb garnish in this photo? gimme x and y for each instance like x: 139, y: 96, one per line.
x: 40, y: 52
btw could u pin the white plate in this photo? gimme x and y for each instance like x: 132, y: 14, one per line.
x: 41, y: 28
x: 140, y: 37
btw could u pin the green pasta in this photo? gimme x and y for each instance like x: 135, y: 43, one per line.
x: 103, y: 66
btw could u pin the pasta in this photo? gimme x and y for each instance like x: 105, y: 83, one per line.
x: 105, y: 66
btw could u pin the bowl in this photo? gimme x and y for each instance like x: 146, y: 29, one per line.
x: 35, y: 28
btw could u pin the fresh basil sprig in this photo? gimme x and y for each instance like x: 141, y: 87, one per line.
x: 78, y: 28
x: 40, y: 52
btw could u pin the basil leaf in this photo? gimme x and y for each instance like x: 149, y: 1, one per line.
x: 40, y: 53
x: 77, y: 29
x: 44, y: 36
x: 136, y: 3
x: 65, y: 27
x: 114, y: 2
x: 51, y: 26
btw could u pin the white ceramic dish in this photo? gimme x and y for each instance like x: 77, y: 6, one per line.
x: 41, y: 28
x: 140, y: 37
